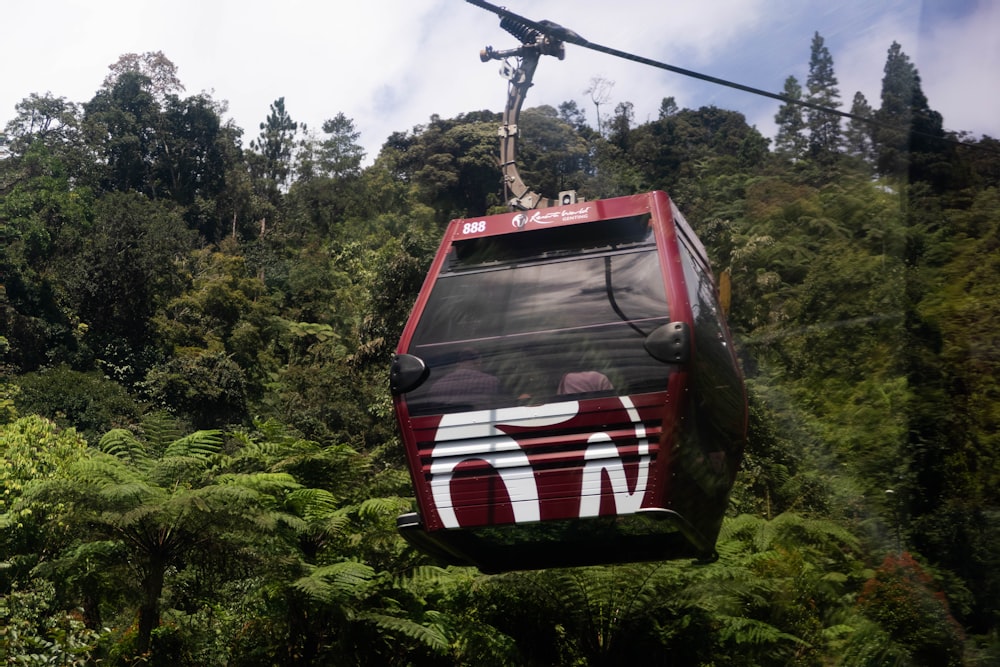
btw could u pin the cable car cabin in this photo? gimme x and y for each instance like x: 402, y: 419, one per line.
x: 567, y: 391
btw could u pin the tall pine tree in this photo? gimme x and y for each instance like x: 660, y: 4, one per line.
x: 908, y: 130
x: 271, y: 164
x: 790, y: 141
x: 340, y: 155
x: 824, y: 128
x: 858, y: 136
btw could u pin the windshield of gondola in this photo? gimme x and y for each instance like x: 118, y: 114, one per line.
x: 561, y: 312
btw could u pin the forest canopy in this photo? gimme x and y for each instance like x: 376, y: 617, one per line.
x: 199, y: 460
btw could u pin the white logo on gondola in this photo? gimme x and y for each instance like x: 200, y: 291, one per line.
x: 475, y: 436
x: 519, y: 220
x: 560, y: 216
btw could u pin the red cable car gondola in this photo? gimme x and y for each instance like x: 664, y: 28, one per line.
x: 566, y: 386
x: 567, y: 390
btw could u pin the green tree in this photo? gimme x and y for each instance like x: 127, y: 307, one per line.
x: 122, y: 272
x: 86, y: 401
x: 224, y: 309
x: 329, y: 188
x: 207, y: 388
x: 668, y: 107
x: 272, y: 152
x: 153, y: 65
x: 452, y: 164
x: 901, y: 597
x: 821, y: 84
x: 570, y: 112
x: 42, y: 216
x: 32, y: 448
x: 906, y: 138
x: 858, y: 135
x: 121, y: 123
x: 790, y: 141
x: 53, y: 121
x: 685, y: 152
x: 195, y: 153
x: 147, y: 508
x: 620, y: 124
x: 552, y: 156
x: 340, y: 155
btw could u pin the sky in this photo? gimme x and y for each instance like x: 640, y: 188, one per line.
x: 390, y: 64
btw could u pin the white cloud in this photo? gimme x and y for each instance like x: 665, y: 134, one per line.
x: 959, y: 67
x: 390, y: 64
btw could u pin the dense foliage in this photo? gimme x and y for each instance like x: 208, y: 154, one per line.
x: 199, y: 462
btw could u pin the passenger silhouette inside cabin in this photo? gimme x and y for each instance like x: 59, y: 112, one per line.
x: 584, y: 382
x: 467, y: 385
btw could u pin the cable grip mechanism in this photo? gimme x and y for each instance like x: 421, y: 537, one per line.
x: 525, y: 34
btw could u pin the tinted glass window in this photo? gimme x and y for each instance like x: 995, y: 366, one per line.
x: 717, y: 384
x: 552, y: 243
x: 528, y: 322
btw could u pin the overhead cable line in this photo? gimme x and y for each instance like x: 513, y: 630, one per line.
x: 563, y: 34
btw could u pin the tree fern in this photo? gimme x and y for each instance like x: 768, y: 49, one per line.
x: 200, y: 444
x: 788, y: 529
x: 128, y: 495
x: 747, y: 631
x: 266, y: 483
x: 159, y: 429
x: 176, y: 470
x: 165, y: 510
x: 122, y: 444
x: 337, y: 582
x: 426, y: 576
x: 101, y: 470
x: 312, y: 504
x: 393, y: 506
x: 428, y: 634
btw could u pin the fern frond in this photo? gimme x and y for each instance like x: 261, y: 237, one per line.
x: 267, y: 483
x: 266, y: 451
x: 269, y: 521
x: 312, y: 504
x: 127, y: 493
x: 228, y: 497
x: 334, y: 524
x: 739, y: 527
x: 871, y: 646
x: 122, y: 444
x: 200, y: 444
x: 794, y: 528
x: 749, y: 631
x: 133, y: 516
x: 372, y: 508
x: 835, y: 632
x: 297, y: 524
x: 426, y: 575
x: 173, y: 469
x: 432, y: 636
x: 337, y: 582
x: 159, y: 429
x: 101, y: 469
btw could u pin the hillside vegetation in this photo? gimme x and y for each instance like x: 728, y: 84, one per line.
x: 199, y: 459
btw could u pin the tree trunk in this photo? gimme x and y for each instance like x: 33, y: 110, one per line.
x: 91, y: 602
x: 149, y: 610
